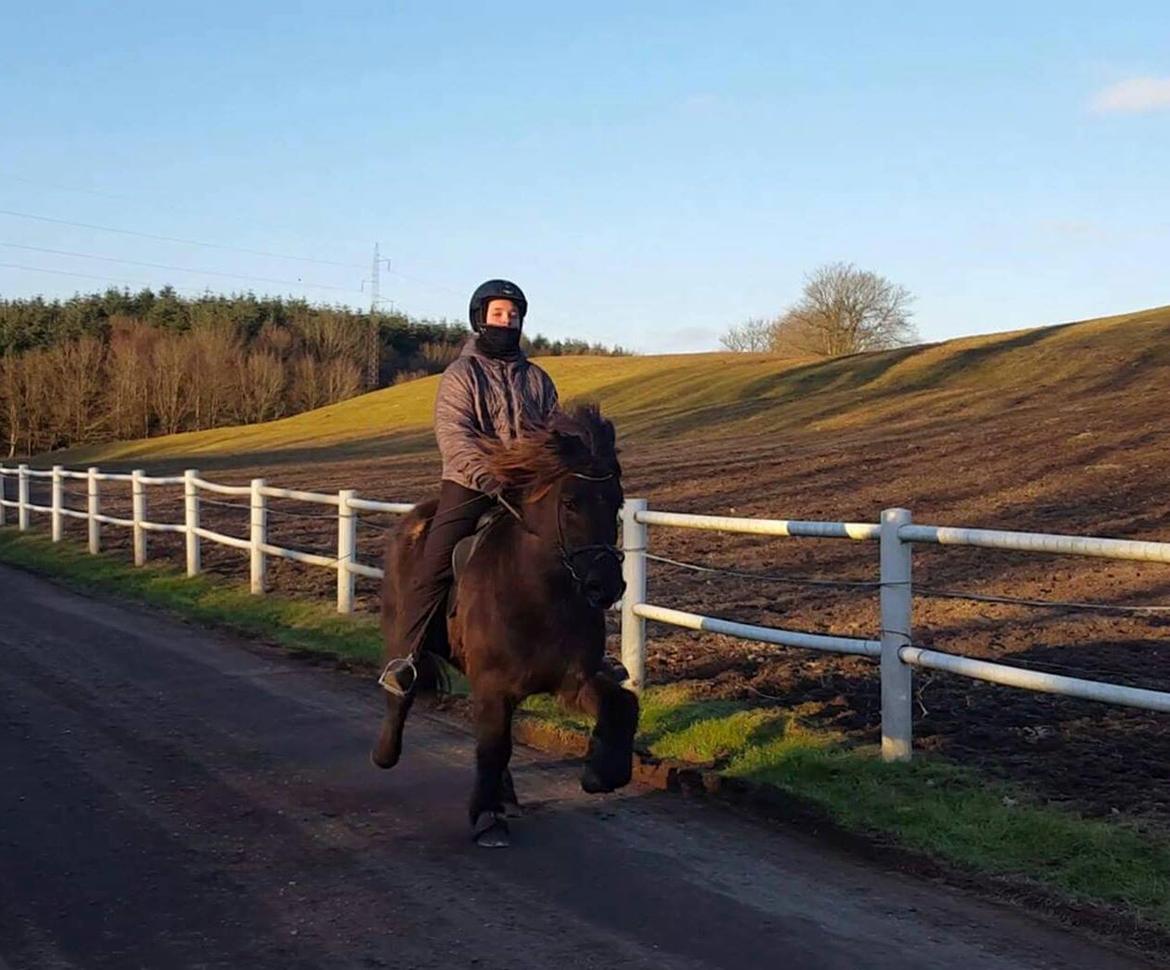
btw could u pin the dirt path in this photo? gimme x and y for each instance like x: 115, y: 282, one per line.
x: 176, y: 798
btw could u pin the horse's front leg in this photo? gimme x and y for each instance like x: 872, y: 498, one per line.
x: 493, y: 749
x: 610, y: 760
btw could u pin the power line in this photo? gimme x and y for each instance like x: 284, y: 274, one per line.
x: 175, y: 239
x: 90, y: 276
x: 178, y: 269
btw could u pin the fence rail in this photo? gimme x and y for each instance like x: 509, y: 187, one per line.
x: 895, y: 534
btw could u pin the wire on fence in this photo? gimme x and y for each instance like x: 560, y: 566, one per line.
x: 918, y: 589
x: 767, y: 577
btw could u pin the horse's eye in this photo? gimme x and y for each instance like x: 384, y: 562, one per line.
x: 568, y: 501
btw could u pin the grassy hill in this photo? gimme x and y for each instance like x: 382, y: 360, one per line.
x: 740, y: 394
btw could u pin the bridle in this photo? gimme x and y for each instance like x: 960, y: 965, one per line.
x: 596, y: 551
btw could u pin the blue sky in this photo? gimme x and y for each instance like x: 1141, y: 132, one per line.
x: 649, y: 173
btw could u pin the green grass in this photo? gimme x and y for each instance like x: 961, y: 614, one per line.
x: 947, y: 812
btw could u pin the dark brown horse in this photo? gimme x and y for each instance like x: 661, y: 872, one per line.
x: 529, y: 608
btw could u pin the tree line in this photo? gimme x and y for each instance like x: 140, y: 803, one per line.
x: 129, y: 365
x: 842, y: 310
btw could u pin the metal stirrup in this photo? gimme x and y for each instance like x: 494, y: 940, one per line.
x: 389, y: 682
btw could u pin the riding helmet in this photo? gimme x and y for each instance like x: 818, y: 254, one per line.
x: 495, y: 290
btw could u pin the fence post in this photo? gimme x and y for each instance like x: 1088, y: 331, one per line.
x: 22, y: 497
x: 896, y: 600
x: 634, y: 573
x: 191, y: 521
x: 93, y: 508
x: 138, y: 500
x: 56, y: 503
x: 3, y: 496
x: 259, y: 536
x: 346, y: 549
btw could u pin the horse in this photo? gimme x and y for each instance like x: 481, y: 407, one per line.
x: 527, y: 610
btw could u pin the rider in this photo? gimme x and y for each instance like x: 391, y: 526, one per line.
x: 491, y: 389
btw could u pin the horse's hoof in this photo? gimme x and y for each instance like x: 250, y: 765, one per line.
x: 491, y: 831
x: 607, y: 767
x: 512, y: 810
x: 380, y: 760
x: 592, y: 782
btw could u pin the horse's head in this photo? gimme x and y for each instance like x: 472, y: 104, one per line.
x: 565, y: 482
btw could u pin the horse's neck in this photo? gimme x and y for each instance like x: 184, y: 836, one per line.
x: 535, y: 556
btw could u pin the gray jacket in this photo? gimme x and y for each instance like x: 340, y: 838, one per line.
x: 479, y: 396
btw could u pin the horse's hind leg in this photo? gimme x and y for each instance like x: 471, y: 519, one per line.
x: 609, y: 762
x: 493, y: 750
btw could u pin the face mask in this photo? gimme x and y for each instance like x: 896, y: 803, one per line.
x: 499, y: 342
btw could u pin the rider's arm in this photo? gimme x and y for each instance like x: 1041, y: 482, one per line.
x: 457, y: 433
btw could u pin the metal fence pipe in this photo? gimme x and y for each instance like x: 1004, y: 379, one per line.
x: 1057, y: 545
x: 93, y: 508
x: 22, y: 498
x: 763, y: 527
x: 761, y: 634
x: 1037, y: 680
x: 259, y: 536
x: 138, y: 496
x: 191, y: 521
x: 896, y: 614
x: 57, y: 521
x: 634, y: 574
x: 346, y: 549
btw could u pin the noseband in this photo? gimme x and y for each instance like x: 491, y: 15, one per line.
x: 596, y: 552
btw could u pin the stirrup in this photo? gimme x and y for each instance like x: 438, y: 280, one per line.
x: 388, y: 680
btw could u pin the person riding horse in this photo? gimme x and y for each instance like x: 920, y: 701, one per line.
x: 491, y: 391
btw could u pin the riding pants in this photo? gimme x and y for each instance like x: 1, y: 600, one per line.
x: 458, y: 512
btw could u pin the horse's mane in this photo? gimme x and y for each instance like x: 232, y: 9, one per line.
x: 576, y: 440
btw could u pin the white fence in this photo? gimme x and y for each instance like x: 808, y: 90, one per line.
x: 895, y: 534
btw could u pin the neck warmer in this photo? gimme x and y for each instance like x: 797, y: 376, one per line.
x: 499, y: 343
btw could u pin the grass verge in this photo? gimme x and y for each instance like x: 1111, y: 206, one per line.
x: 942, y: 811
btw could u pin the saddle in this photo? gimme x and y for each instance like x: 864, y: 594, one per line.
x: 466, y: 548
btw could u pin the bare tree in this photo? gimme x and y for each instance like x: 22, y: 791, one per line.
x: 216, y: 351
x: 129, y: 364
x: 342, y: 379
x: 262, y: 381
x: 171, y: 385
x: 753, y: 336
x: 845, y: 310
x: 11, y: 400
x: 79, y: 382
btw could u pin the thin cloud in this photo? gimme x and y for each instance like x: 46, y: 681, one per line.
x: 1135, y: 95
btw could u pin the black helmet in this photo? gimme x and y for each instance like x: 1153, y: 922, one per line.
x: 495, y: 290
